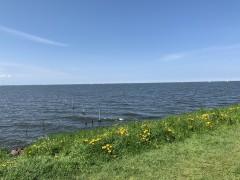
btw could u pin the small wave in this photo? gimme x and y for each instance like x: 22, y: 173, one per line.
x: 131, y: 114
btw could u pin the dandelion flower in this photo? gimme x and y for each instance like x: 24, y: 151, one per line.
x: 205, y: 116
x: 208, y: 124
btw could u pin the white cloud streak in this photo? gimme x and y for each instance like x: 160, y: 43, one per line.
x: 5, y: 75
x: 27, y: 66
x: 29, y: 71
x: 20, y: 73
x: 172, y: 57
x: 182, y: 55
x: 30, y: 36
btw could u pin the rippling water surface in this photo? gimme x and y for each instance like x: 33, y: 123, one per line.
x: 29, y: 112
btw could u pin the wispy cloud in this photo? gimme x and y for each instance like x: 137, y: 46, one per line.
x: 29, y: 68
x: 172, y: 57
x: 14, y: 73
x: 30, y: 36
x: 5, y: 75
x: 182, y: 55
x: 11, y: 64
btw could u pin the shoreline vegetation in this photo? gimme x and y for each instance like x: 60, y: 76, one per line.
x: 178, y: 146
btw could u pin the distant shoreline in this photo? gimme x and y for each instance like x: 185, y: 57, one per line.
x: 122, y: 83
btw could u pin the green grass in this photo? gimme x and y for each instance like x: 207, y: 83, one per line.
x: 197, y: 145
x: 213, y: 155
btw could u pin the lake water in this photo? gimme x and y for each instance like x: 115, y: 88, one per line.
x: 29, y: 112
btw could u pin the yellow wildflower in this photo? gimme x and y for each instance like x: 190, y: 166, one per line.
x: 108, y: 148
x: 123, y: 131
x: 145, y: 131
x: 208, y: 123
x: 223, y: 116
x: 170, y: 132
x: 93, y: 141
x: 205, y: 116
x: 145, y: 136
x: 85, y: 140
x: 190, y: 118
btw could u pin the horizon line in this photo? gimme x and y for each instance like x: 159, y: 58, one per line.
x: 163, y: 82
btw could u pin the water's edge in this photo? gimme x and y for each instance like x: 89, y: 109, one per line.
x: 30, y: 112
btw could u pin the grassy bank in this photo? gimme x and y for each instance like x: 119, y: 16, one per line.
x: 214, y: 155
x: 152, y: 149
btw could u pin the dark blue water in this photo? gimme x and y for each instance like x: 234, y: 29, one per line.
x: 29, y: 112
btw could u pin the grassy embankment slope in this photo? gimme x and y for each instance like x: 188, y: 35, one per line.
x: 198, y: 145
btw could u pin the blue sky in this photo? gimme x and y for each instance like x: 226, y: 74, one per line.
x: 118, y: 41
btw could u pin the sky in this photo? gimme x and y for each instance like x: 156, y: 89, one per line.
x: 118, y: 41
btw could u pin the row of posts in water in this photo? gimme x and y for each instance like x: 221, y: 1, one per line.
x: 99, y: 121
